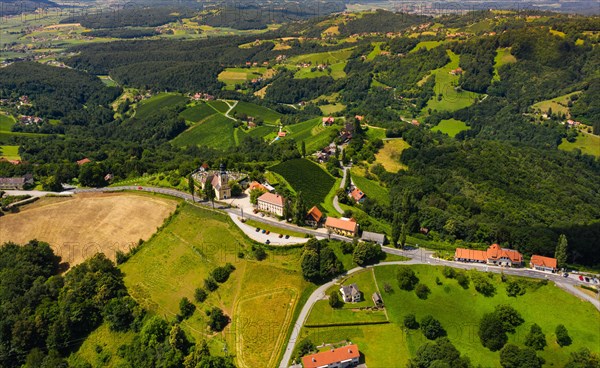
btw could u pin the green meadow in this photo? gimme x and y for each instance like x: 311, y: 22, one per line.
x: 215, y: 132
x: 160, y: 101
x: 256, y: 111
x: 587, y: 143
x: 197, y: 113
x: 450, y: 126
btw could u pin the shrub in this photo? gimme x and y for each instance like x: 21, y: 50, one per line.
x: 463, y: 279
x: 483, y: 285
x: 210, y: 284
x: 449, y: 272
x: 407, y: 280
x: 259, y: 253
x: 438, y: 281
x: 535, y: 338
x: 432, y: 328
x: 512, y: 356
x: 410, y: 321
x: 514, y: 289
x: 388, y: 288
x: 562, y: 336
x: 347, y: 248
x: 422, y: 291
x: 509, y: 317
x: 186, y: 308
x: 200, y: 295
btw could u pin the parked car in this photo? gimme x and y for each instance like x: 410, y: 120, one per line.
x: 140, y: 188
x: 257, y: 229
x: 281, y: 235
x: 596, y: 280
x: 268, y: 242
x: 580, y: 278
x: 268, y: 232
x: 587, y: 279
x: 287, y: 236
x: 263, y: 231
x: 565, y: 274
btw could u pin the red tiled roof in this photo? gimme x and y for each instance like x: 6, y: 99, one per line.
x: 542, y: 261
x: 495, y: 252
x: 331, y: 356
x: 328, y: 120
x: 346, y: 225
x: 472, y: 254
x: 257, y: 185
x: 357, y: 194
x: 281, y: 134
x: 83, y: 161
x: 315, y: 213
x: 271, y: 198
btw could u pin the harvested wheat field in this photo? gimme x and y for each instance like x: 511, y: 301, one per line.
x: 85, y: 224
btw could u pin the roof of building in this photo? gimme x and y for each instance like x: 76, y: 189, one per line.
x: 271, y: 198
x: 329, y: 119
x: 376, y: 298
x: 373, y: 237
x: 351, y: 289
x: 495, y: 252
x: 83, y: 161
x: 315, y: 214
x: 12, y: 181
x: 357, y: 194
x: 257, y: 185
x: 337, y: 223
x: 542, y: 261
x: 281, y: 134
x: 472, y: 254
x: 324, y: 358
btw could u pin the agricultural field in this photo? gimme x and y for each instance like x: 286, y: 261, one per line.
x: 197, y: 113
x: 558, y: 105
x: 220, y: 106
x: 312, y: 132
x: 333, y: 108
x: 78, y: 227
x: 371, y: 188
x: 269, y: 116
x: 161, y: 100
x: 450, y: 126
x: 233, y: 76
x: 389, y: 155
x: 261, y: 131
x: 337, y: 72
x: 375, y: 52
x: 189, y: 247
x: 428, y: 45
x: 445, y: 84
x: 503, y: 56
x: 331, y: 57
x: 307, y: 177
x: 450, y: 304
x: 6, y: 122
x: 215, y: 132
x: 10, y: 152
x: 587, y: 143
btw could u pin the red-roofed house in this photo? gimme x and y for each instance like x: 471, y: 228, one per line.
x: 542, y: 263
x: 493, y: 255
x: 470, y: 255
x: 314, y: 217
x: 359, y: 117
x: 342, y: 226
x: 328, y: 121
x: 257, y: 185
x: 343, y: 357
x: 357, y: 195
x: 84, y: 161
x: 272, y: 203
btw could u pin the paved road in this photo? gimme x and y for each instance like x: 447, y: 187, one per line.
x: 336, y: 202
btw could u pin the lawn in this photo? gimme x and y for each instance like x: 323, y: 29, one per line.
x: 197, y: 113
x: 250, y: 109
x: 375, y: 133
x: 459, y: 312
x: 161, y: 100
x: 180, y: 256
x: 450, y: 126
x: 6, y: 122
x: 503, y: 56
x: 307, y: 177
x: 215, y: 132
x: 389, y: 155
x: 445, y: 84
x: 375, y: 52
x: 10, y: 152
x: 587, y: 143
x: 371, y: 188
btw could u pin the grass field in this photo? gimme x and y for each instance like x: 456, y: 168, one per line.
x: 312, y: 132
x: 108, y: 341
x: 337, y: 72
x: 197, y: 113
x: 261, y: 131
x: 274, y: 229
x: 80, y: 226
x: 330, y: 109
x: 250, y: 109
x: 445, y: 84
x: 426, y: 45
x: 307, y: 177
x: 587, y: 143
x: 6, y: 122
x: 10, y: 152
x: 559, y: 105
x: 233, y: 76
x: 215, y: 132
x: 331, y: 57
x: 158, y: 102
x: 389, y: 155
x: 176, y: 260
x: 459, y: 311
x: 220, y: 106
x: 450, y: 126
x: 371, y: 188
x: 375, y: 133
x: 503, y: 56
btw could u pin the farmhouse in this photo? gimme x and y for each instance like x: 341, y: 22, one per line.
x: 272, y: 203
x: 350, y: 293
x: 342, y: 226
x: 373, y: 237
x: 357, y: 195
x: 328, y: 121
x: 494, y: 255
x: 257, y: 185
x: 343, y: 357
x: 219, y: 181
x: 16, y: 182
x: 314, y: 217
x: 542, y: 263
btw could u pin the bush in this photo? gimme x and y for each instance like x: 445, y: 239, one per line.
x: 347, y: 248
x: 407, y: 280
x: 438, y: 281
x: 514, y: 289
x: 186, y: 308
x: 259, y: 253
x: 210, y: 284
x: 334, y: 300
x: 432, y: 328
x: 463, y: 279
x: 562, y: 336
x: 200, y: 295
x: 491, y: 332
x: 388, y: 288
x: 410, y: 321
x: 449, y: 272
x: 483, y: 285
x: 422, y: 291
x: 535, y: 338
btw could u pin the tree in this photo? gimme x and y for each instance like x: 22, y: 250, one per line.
x: 192, y: 186
x: 562, y: 336
x: 334, y: 299
x: 217, y: 319
x: 583, y: 358
x: 438, y: 354
x: 432, y: 328
x: 410, y: 321
x: 511, y: 356
x: 299, y: 211
x: 422, y: 291
x: 491, y: 332
x: 177, y: 338
x: 305, y: 347
x: 200, y: 295
x: 186, y: 308
x: 396, y: 229
x: 366, y: 253
x: 483, y: 284
x: 463, y: 279
x: 561, y: 251
x: 509, y: 317
x: 303, y: 149
x: 407, y: 280
x: 118, y: 313
x: 254, y: 194
x: 535, y: 338
x: 210, y: 284
x: 236, y: 188
x: 209, y: 193
x: 310, y: 264
x: 514, y: 288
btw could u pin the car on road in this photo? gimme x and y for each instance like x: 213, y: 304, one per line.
x: 268, y: 232
x: 257, y: 229
x: 268, y: 242
x: 287, y: 236
x: 140, y: 188
x: 596, y: 280
x: 263, y: 231
x: 580, y: 278
x: 587, y: 279
x: 281, y: 235
x: 565, y: 274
